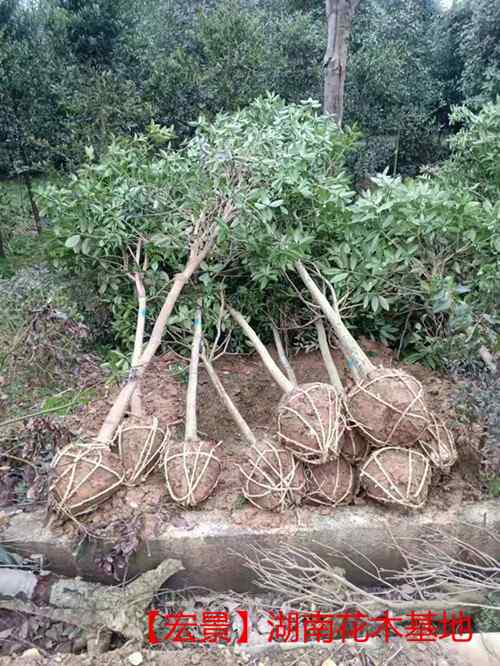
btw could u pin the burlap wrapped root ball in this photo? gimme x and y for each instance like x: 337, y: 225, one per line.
x: 311, y: 422
x: 438, y: 443
x: 354, y: 446
x: 397, y: 476
x: 192, y: 471
x: 388, y: 406
x: 84, y: 476
x: 272, y: 479
x: 140, y: 444
x: 331, y: 484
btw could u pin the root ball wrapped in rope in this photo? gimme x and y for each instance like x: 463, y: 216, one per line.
x: 84, y: 476
x: 191, y: 468
x: 192, y: 471
x: 140, y: 443
x: 388, y: 407
x: 395, y: 475
x: 311, y: 422
x: 272, y: 478
x: 331, y: 484
x: 354, y: 447
x: 311, y: 418
x: 438, y: 443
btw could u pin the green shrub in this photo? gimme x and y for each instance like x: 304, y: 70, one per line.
x: 475, y: 148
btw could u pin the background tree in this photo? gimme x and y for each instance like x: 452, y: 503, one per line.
x: 339, y: 15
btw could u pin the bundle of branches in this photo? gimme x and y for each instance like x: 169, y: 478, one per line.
x: 87, y: 473
x: 311, y: 419
x: 191, y: 467
x: 272, y: 478
x: 441, y: 572
x: 388, y: 406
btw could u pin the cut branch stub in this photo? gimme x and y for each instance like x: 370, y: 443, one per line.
x: 192, y: 471
x: 271, y: 478
x: 85, y: 475
x: 354, y: 447
x: 388, y: 407
x: 331, y: 484
x: 140, y: 443
x: 397, y: 476
x: 438, y: 443
x: 311, y: 422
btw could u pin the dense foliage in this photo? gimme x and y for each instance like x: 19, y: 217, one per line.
x: 89, y: 89
x: 415, y: 263
x: 76, y: 73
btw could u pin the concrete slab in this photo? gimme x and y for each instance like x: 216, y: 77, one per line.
x: 211, y: 550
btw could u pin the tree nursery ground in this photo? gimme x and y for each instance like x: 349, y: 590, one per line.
x: 256, y: 395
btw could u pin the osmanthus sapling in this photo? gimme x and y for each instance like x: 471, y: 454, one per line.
x: 203, y: 239
x: 272, y: 479
x: 332, y: 482
x: 386, y: 404
x: 354, y: 447
x: 311, y: 419
x: 140, y: 440
x: 191, y: 467
x: 86, y: 474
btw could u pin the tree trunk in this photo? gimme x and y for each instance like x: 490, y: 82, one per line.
x: 339, y: 14
x: 2, y: 246
x: 33, y: 204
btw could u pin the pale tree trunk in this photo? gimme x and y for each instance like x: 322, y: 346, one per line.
x: 339, y: 15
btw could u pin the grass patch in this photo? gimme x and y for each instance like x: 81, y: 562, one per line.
x: 67, y: 402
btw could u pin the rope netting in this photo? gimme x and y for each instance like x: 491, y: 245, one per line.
x: 438, y: 443
x: 311, y: 422
x: 272, y: 478
x: 389, y: 407
x: 192, y: 470
x: 85, y: 475
x: 331, y: 484
x: 395, y: 475
x: 355, y: 447
x: 140, y: 446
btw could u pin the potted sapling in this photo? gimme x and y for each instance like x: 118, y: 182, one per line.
x: 191, y: 467
x: 311, y: 419
x: 272, y: 479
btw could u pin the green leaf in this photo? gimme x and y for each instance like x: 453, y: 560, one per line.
x: 383, y: 303
x: 73, y: 242
x: 340, y: 277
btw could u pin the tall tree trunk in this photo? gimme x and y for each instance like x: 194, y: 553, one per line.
x: 339, y: 14
x: 34, y: 208
x: 2, y: 246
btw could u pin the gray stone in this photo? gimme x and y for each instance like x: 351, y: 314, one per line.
x: 210, y: 552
